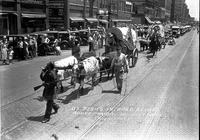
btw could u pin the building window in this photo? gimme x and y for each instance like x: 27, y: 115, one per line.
x: 55, y: 12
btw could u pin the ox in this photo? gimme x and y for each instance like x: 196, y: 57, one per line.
x: 65, y: 68
x: 86, y: 69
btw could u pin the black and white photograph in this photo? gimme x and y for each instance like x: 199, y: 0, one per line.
x: 99, y: 69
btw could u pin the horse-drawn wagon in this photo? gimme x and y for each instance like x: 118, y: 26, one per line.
x: 124, y: 37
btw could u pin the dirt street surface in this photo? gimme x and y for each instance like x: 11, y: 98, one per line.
x: 159, y: 100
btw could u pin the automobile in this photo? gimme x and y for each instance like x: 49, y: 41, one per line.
x: 80, y: 35
x: 182, y: 30
x: 176, y: 31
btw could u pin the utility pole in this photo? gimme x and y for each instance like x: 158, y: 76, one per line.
x: 84, y: 12
x: 47, y: 14
x: 66, y: 15
x: 109, y: 14
x: 91, y: 3
x: 19, y: 27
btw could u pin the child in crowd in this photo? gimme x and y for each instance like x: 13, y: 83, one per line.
x: 10, y: 54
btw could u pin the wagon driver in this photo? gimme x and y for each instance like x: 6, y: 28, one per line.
x: 120, y: 65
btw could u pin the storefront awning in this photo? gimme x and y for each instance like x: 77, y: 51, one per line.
x: 121, y: 20
x: 91, y: 19
x: 33, y: 15
x: 7, y: 13
x: 3, y: 14
x: 148, y: 20
x: 103, y: 20
x: 76, y: 19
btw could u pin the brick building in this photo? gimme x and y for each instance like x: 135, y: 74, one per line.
x: 22, y: 16
x: 119, y: 9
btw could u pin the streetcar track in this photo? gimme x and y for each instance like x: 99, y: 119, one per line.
x: 98, y: 120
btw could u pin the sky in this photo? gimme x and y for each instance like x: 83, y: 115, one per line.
x: 193, y: 6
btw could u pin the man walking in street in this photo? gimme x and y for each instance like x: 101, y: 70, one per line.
x: 48, y: 75
x: 120, y: 65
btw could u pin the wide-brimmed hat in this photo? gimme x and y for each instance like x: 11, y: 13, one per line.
x: 50, y: 65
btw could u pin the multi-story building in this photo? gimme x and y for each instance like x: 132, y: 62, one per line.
x: 76, y: 13
x: 119, y: 9
x: 22, y: 16
x: 146, y: 11
x: 166, y: 9
x: 178, y: 10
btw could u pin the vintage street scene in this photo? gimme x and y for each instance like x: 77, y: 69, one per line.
x: 99, y: 69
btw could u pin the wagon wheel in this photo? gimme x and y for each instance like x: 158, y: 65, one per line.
x: 134, y: 58
x: 65, y: 45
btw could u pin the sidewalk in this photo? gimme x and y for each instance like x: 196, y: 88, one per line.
x: 64, y: 53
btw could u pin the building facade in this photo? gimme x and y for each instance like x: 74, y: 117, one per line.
x: 180, y: 12
x: 22, y: 16
x: 76, y: 13
x: 166, y: 6
x: 118, y: 9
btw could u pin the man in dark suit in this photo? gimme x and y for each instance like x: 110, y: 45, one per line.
x: 48, y: 75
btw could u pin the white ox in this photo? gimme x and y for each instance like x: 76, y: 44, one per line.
x: 65, y: 68
x: 86, y: 69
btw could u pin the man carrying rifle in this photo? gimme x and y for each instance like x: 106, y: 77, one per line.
x: 48, y: 75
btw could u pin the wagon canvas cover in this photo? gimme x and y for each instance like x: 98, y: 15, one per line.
x: 129, y: 37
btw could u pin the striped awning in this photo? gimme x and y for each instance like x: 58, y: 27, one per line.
x: 33, y: 15
x: 76, y: 19
x: 91, y: 19
x: 121, y: 20
x: 149, y: 21
x: 103, y: 20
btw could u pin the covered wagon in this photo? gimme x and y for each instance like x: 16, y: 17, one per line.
x: 124, y: 37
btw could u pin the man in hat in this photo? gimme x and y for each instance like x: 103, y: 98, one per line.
x: 48, y: 75
x: 120, y: 65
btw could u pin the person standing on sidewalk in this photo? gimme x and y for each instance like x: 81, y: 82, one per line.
x: 120, y: 65
x: 76, y: 52
x: 91, y: 42
x: 4, y: 50
x: 48, y: 75
x: 25, y: 48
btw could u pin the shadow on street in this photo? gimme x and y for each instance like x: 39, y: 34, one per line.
x: 75, y: 95
x: 36, y: 118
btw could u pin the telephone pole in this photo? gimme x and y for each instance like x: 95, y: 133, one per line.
x: 109, y: 14
x: 172, y: 18
x: 84, y: 12
x: 66, y: 14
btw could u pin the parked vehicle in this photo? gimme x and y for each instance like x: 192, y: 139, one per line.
x: 176, y: 31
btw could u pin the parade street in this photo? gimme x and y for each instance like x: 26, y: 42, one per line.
x: 159, y: 100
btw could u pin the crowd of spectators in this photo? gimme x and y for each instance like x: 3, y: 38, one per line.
x: 30, y: 46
